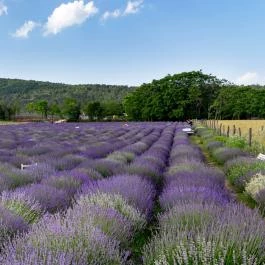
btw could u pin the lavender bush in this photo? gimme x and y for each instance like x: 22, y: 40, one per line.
x: 129, y: 187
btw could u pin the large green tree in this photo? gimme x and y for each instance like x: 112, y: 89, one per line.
x: 71, y: 109
x: 94, y: 110
x: 177, y: 97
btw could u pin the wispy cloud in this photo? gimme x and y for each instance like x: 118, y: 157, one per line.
x: 69, y: 14
x: 3, y: 9
x: 248, y: 78
x: 107, y: 15
x: 25, y: 29
x: 132, y: 7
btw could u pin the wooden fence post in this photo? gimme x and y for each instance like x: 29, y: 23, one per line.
x: 228, y: 131
x: 220, y: 129
x: 234, y: 129
x: 239, y: 132
x: 250, y: 136
x: 223, y: 129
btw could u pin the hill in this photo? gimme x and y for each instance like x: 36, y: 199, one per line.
x: 23, y: 91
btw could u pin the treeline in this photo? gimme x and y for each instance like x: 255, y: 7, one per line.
x: 239, y: 102
x: 23, y: 92
x: 181, y: 96
x: 8, y: 111
x: 191, y: 95
x: 72, y: 110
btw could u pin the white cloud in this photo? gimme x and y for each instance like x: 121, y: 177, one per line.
x: 69, y: 14
x: 3, y: 9
x: 248, y: 78
x: 107, y: 15
x: 133, y: 7
x: 25, y: 29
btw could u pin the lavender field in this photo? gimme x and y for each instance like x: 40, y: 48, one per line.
x: 116, y: 193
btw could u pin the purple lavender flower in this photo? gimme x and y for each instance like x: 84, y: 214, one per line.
x: 223, y: 154
x: 50, y: 198
x: 128, y: 186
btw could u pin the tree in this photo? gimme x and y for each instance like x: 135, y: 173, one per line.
x: 54, y: 110
x: 177, y: 97
x: 41, y: 106
x: 71, y: 109
x: 94, y: 110
x: 8, y: 111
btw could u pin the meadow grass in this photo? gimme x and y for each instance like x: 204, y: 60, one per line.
x: 258, y: 128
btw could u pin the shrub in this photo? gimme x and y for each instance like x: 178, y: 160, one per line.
x: 223, y: 154
x: 237, y: 142
x: 235, y: 237
x: 108, y: 220
x: 21, y: 204
x: 10, y: 224
x: 89, y: 172
x: 65, y: 182
x: 238, y: 168
x: 106, y: 167
x: 204, y: 132
x: 114, y: 201
x: 50, y: 198
x: 63, y: 240
x: 260, y: 199
x: 197, y: 250
x: 212, y: 145
x: 255, y: 185
x: 136, y: 190
x: 221, y: 138
x: 68, y: 162
x: 174, y: 195
x: 124, y: 157
x: 145, y: 169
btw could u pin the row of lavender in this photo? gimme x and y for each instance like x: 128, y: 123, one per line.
x: 244, y: 172
x: 106, y: 213
x: 200, y: 223
x: 50, y: 190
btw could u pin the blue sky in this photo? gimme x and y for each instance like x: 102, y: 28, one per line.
x: 131, y: 42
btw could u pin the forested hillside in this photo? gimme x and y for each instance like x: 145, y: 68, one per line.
x: 23, y: 92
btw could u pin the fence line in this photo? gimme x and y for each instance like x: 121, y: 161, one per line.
x: 221, y: 129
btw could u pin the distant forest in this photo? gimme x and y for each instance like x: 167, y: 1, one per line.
x: 24, y: 92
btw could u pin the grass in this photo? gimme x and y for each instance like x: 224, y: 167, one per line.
x: 258, y: 129
x: 9, y: 123
x: 239, y: 196
x: 142, y: 237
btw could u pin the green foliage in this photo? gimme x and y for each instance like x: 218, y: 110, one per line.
x: 239, y: 168
x: 112, y: 108
x: 8, y: 110
x: 236, y: 141
x: 71, y: 109
x: 40, y: 106
x: 24, y: 92
x: 221, y: 138
x: 239, y: 102
x: 54, y: 109
x: 94, y: 110
x: 177, y: 97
